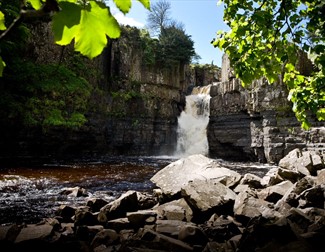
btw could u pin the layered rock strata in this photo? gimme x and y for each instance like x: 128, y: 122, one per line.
x: 256, y: 123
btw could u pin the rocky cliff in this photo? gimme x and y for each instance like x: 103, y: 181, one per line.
x: 256, y: 123
x: 132, y: 109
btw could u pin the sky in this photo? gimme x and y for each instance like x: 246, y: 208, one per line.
x: 201, y: 18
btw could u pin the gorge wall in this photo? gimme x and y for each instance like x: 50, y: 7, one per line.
x: 132, y: 109
x: 257, y: 123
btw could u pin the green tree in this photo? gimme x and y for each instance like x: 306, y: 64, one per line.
x: 266, y: 39
x: 86, y: 22
x: 175, y: 46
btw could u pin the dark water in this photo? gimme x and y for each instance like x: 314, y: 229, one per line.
x: 29, y: 194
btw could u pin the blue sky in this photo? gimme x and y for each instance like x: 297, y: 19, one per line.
x: 201, y: 18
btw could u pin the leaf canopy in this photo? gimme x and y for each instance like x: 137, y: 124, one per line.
x: 268, y: 38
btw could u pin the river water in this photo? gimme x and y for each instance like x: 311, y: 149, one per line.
x: 29, y: 194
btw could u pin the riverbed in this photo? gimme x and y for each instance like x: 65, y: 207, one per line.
x: 29, y: 194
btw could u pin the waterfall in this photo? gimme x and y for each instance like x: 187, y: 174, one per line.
x: 192, y: 123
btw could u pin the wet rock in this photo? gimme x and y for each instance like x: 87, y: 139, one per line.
x: 275, y: 192
x: 248, y: 206
x: 74, y: 192
x: 175, y: 210
x: 146, y: 201
x: 298, y: 221
x: 251, y: 180
x: 171, y: 227
x: 208, y: 216
x: 192, y: 235
x: 118, y: 224
x: 169, y: 242
x: 34, y: 232
x: 222, y: 228
x: 84, y: 217
x: 140, y: 218
x: 127, y: 202
x: 320, y: 180
x: 271, y: 178
x: 9, y: 233
x: 313, y: 197
x: 95, y: 204
x: 105, y: 237
x: 66, y: 212
x: 209, y: 196
x: 305, y: 162
x: 261, y: 232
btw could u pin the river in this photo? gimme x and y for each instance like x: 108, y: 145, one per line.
x: 29, y: 194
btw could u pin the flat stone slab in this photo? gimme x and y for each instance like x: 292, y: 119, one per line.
x: 178, y: 174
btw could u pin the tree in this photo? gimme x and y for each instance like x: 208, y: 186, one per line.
x: 159, y: 17
x: 175, y: 46
x: 87, y: 22
x: 266, y: 39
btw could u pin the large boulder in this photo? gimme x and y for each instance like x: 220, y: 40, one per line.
x: 178, y: 174
x: 208, y: 197
x: 305, y: 162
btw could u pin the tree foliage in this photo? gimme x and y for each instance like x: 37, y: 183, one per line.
x: 86, y: 22
x: 266, y: 39
x: 55, y: 96
x: 175, y: 46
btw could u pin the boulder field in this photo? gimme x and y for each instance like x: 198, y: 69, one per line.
x: 197, y: 205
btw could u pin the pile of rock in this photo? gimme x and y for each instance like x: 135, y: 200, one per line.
x: 198, y: 206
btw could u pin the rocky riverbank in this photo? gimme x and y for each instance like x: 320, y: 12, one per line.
x: 198, y: 205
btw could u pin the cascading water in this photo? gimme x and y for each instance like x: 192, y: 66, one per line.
x: 192, y: 123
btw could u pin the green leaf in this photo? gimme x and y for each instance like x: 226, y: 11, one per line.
x: 290, y: 67
x: 2, y: 21
x: 145, y: 3
x: 88, y: 27
x: 123, y: 5
x: 65, y: 23
x: 305, y: 125
x: 2, y: 66
x: 36, y: 4
x: 300, y: 78
x: 93, y: 28
x: 321, y: 114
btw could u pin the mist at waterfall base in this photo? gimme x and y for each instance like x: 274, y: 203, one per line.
x: 192, y: 124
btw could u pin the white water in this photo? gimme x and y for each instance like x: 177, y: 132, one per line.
x: 192, y: 124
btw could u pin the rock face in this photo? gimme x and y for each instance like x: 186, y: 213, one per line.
x: 133, y: 107
x: 252, y: 213
x: 256, y: 123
